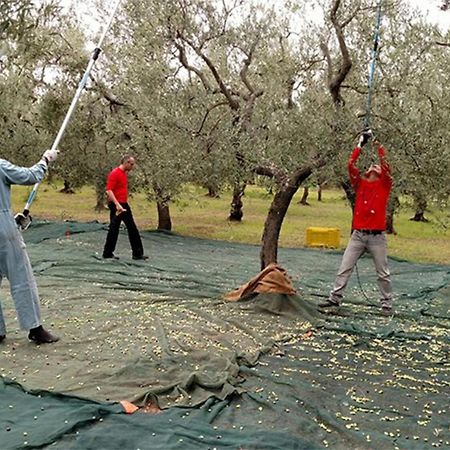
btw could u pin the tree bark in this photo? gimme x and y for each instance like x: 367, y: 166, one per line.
x: 100, y: 197
x: 162, y: 206
x: 213, y: 192
x: 392, y: 207
x: 390, y: 222
x: 236, y: 212
x: 276, y: 215
x: 164, y: 220
x: 349, y: 192
x: 419, y: 216
x: 421, y: 206
x: 67, y: 189
x: 304, y: 199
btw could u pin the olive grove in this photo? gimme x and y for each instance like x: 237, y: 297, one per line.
x: 229, y: 93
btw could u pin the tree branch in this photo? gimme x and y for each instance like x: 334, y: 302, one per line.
x: 185, y: 63
x: 271, y: 171
x: 346, y: 64
x: 208, y: 111
x: 234, y: 105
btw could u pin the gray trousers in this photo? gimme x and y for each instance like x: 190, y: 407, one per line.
x: 16, y: 267
x: 359, y: 243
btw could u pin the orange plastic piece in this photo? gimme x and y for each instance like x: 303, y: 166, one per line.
x: 128, y: 407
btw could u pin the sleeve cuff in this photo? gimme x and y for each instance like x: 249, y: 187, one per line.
x: 44, y: 161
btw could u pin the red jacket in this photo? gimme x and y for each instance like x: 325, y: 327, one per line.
x: 118, y: 183
x: 371, y: 197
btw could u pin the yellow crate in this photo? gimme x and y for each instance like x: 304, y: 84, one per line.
x: 322, y: 237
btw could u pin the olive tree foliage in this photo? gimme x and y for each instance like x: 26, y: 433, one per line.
x: 40, y: 74
x: 308, y: 129
x: 262, y: 96
x: 91, y: 146
x: 159, y: 111
x: 29, y: 41
x: 409, y: 104
x: 217, y: 45
x: 185, y: 102
x: 81, y: 148
x: 412, y: 107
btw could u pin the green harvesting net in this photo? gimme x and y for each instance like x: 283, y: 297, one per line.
x: 267, y: 372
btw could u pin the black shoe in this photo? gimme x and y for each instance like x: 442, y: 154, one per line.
x: 328, y: 304
x: 39, y: 335
x: 2, y: 337
x: 387, y: 311
x: 142, y: 257
x: 110, y: 257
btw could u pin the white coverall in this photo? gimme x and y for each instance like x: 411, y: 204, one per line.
x: 14, y: 262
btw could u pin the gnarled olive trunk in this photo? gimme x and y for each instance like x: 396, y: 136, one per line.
x: 67, y: 189
x: 349, y: 193
x: 162, y: 207
x: 213, y: 192
x: 236, y: 212
x: 164, y: 220
x: 276, y: 215
x: 319, y: 192
x: 304, y: 199
x: 100, y: 196
x: 392, y: 207
x: 421, y: 207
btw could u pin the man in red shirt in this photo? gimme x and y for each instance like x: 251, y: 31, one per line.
x: 117, y: 193
x: 369, y: 223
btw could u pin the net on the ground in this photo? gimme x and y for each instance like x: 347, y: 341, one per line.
x: 241, y: 374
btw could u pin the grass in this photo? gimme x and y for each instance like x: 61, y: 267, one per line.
x: 195, y: 214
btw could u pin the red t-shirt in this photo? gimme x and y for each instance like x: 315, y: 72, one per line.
x: 371, y: 196
x: 118, y: 183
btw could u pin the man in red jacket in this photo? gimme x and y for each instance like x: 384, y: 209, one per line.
x: 117, y: 193
x: 369, y: 223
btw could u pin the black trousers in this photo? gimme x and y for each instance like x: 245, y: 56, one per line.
x: 114, y: 227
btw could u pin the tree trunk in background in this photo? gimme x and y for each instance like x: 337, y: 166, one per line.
x: 276, y: 215
x: 304, y: 199
x: 390, y: 222
x: 319, y: 192
x: 236, y: 212
x: 100, y: 197
x: 162, y: 207
x: 421, y: 207
x: 213, y: 192
x: 392, y: 207
x: 67, y: 189
x: 349, y: 192
x: 164, y: 220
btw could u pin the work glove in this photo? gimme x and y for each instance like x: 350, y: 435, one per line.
x: 50, y: 155
x: 366, y: 135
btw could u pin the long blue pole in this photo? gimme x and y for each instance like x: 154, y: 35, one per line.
x: 373, y: 64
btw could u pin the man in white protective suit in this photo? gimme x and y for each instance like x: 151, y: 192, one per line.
x: 14, y: 262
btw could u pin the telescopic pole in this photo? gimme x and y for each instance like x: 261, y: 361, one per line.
x: 370, y: 80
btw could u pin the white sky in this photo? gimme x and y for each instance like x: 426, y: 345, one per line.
x: 429, y: 8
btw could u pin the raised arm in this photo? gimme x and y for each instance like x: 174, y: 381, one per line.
x: 353, y: 172
x: 386, y: 176
x: 355, y: 176
x: 13, y: 174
